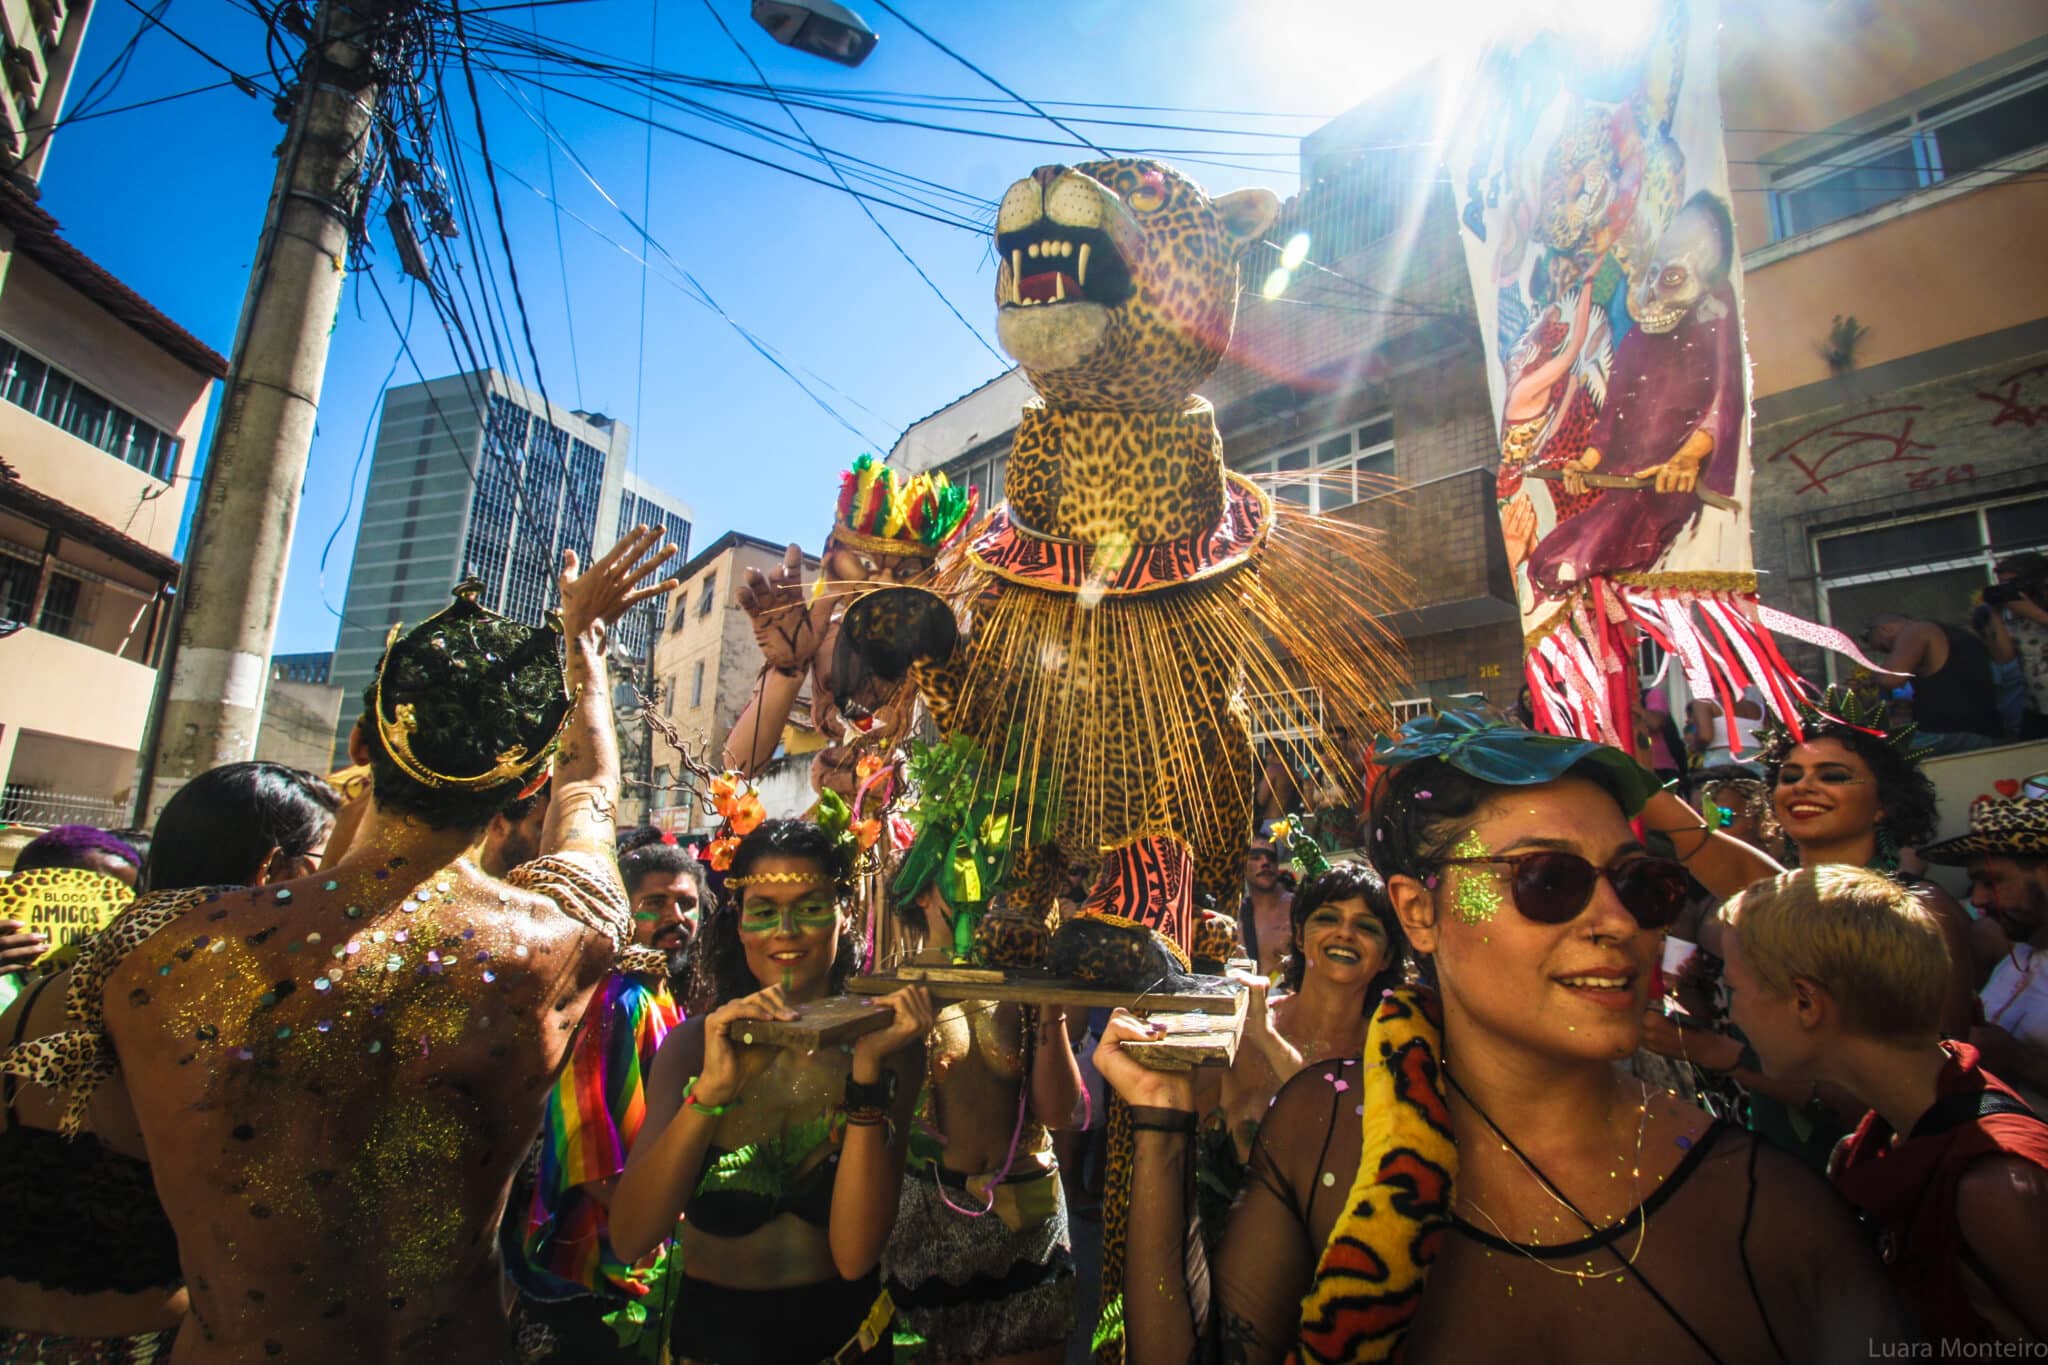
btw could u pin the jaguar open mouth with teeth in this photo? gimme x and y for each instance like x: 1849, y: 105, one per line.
x: 1050, y: 263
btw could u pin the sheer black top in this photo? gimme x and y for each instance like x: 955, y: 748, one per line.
x: 76, y: 1216
x: 1747, y: 1257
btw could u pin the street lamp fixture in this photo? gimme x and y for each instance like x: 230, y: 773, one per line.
x: 819, y: 27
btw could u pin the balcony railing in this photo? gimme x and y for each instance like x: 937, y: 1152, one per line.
x: 26, y: 805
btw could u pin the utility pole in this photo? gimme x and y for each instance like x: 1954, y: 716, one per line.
x: 210, y: 691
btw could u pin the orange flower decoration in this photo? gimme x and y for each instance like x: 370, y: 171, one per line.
x: 746, y: 815
x: 867, y: 831
x: 870, y: 764
x: 719, y: 854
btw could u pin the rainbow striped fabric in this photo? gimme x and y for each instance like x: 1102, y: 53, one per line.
x: 593, y: 1116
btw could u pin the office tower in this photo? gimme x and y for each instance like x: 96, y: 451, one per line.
x: 642, y: 504
x: 474, y: 477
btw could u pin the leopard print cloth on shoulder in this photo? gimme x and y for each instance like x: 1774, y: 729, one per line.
x: 76, y: 1060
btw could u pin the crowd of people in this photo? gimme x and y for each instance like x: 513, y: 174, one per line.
x: 458, y: 1071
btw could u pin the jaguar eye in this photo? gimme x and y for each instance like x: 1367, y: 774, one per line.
x: 1149, y: 195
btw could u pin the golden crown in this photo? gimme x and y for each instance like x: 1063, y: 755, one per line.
x: 396, y: 729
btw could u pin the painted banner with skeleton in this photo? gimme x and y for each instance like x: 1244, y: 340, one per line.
x: 1592, y: 191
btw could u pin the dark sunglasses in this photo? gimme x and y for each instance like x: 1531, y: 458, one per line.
x: 1552, y: 887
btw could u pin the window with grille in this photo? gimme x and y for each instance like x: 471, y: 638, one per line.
x: 1411, y: 709
x: 707, y: 596
x: 697, y: 683
x: 1929, y: 567
x: 30, y: 382
x: 1940, y: 141
x: 1333, y: 469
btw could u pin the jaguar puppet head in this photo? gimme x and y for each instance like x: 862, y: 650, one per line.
x: 1118, y: 281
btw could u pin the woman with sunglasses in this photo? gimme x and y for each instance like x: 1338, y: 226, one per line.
x: 785, y: 1167
x: 1554, y: 1207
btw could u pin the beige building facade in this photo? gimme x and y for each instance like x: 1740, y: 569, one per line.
x: 102, y: 402
x: 1887, y: 159
x: 706, y: 664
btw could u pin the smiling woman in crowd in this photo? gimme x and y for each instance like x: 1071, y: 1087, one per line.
x: 1346, y: 949
x: 785, y: 1167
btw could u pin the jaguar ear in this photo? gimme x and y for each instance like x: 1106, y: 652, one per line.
x: 1246, y: 215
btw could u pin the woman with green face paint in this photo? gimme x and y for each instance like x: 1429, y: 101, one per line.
x: 783, y: 1167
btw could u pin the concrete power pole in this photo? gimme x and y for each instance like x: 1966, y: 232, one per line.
x: 210, y: 694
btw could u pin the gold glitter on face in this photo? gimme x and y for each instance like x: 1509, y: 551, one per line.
x: 1475, y: 894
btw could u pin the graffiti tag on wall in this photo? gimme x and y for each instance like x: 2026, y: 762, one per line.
x: 1848, y: 445
x: 2010, y: 396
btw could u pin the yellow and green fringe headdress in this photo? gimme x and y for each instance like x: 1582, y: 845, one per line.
x: 968, y: 827
x: 880, y: 512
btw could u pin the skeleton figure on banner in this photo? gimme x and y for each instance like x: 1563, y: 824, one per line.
x: 1604, y: 261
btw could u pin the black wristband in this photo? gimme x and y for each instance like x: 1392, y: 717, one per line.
x: 880, y: 1095
x: 1151, y: 1119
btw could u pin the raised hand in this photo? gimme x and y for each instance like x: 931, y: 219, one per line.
x: 611, y: 586
x: 785, y: 626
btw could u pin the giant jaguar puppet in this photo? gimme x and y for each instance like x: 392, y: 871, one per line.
x: 1109, y: 630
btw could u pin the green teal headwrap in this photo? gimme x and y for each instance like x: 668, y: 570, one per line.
x: 1505, y: 755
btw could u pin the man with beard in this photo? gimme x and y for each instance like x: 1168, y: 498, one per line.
x: 2006, y: 852
x: 570, y: 1279
x: 666, y: 886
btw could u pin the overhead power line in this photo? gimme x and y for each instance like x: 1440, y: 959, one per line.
x: 833, y: 166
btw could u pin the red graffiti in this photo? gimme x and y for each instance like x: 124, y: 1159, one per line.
x: 1888, y: 430
x: 1930, y: 478
x: 2007, y: 400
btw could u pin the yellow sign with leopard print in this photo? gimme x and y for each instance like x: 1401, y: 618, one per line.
x: 66, y: 905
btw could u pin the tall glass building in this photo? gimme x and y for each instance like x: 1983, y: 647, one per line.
x: 473, y: 476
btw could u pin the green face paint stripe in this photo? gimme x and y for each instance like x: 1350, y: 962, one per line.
x: 1475, y: 895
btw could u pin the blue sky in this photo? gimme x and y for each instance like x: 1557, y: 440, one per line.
x: 797, y: 264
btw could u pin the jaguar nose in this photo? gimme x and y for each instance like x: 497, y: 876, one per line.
x: 1045, y: 175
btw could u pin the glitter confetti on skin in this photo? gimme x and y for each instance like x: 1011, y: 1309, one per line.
x: 1477, y: 897
x: 284, y: 896
x: 330, y: 885
x: 354, y: 912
